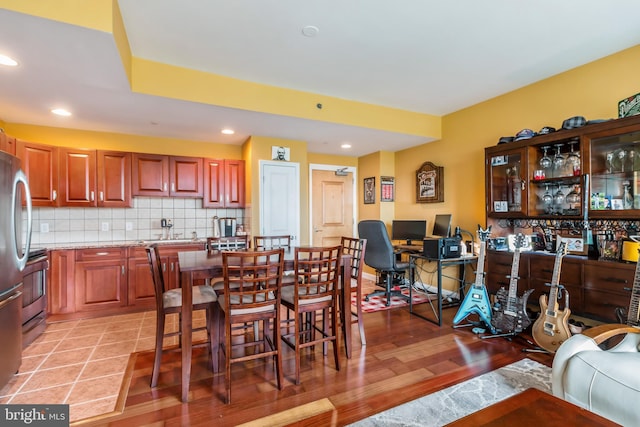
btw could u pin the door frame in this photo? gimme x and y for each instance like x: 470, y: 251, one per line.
x: 261, y: 189
x: 352, y: 169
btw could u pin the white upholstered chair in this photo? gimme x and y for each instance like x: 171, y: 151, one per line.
x: 602, y: 380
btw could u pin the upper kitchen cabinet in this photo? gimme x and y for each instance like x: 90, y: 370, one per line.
x: 77, y: 181
x: 90, y: 178
x: 40, y: 164
x: 224, y: 184
x: 73, y: 177
x: 114, y: 179
x: 158, y: 175
x: 7, y: 143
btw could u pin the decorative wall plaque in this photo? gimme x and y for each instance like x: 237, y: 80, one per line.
x: 430, y: 183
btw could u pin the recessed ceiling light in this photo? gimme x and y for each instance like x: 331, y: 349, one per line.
x: 61, y: 112
x: 5, y: 60
x: 228, y: 131
x: 310, y: 31
x: 345, y: 146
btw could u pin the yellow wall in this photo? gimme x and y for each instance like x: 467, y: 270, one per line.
x: 261, y: 150
x: 592, y: 90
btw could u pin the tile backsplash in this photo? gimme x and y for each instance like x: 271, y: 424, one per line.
x: 141, y: 222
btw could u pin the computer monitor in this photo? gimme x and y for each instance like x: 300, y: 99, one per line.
x: 408, y: 230
x: 442, y: 225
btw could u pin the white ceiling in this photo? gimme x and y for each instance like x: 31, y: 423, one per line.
x: 416, y: 55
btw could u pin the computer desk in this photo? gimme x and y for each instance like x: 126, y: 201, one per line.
x: 442, y: 263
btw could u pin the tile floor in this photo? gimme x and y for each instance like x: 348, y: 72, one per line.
x: 81, y: 363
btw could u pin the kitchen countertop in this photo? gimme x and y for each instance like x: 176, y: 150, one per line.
x: 115, y: 243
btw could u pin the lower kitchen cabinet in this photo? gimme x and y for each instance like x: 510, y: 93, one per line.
x: 109, y: 280
x: 61, y: 293
x: 100, y: 278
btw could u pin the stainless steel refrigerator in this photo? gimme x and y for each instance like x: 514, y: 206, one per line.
x: 14, y: 250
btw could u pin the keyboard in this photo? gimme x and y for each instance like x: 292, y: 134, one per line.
x: 409, y: 248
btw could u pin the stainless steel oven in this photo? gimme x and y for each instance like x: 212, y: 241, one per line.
x: 34, y: 298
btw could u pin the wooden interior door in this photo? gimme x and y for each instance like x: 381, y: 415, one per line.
x: 332, y: 207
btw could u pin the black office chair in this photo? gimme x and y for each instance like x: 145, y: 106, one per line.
x: 381, y: 257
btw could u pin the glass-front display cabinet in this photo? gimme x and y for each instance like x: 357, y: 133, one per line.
x: 615, y: 175
x: 590, y: 172
x: 556, y: 179
x: 507, y: 189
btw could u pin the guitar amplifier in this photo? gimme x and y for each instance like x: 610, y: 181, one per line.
x: 441, y: 247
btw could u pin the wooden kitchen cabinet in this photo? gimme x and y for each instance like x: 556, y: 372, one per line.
x: 140, y: 287
x: 114, y: 179
x: 60, y: 282
x: 224, y: 183
x: 109, y: 280
x: 167, y: 176
x: 150, y: 175
x: 7, y: 143
x: 40, y: 164
x: 101, y: 278
x: 77, y: 181
x: 62, y: 176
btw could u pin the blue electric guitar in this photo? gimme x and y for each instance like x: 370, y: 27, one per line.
x: 476, y: 301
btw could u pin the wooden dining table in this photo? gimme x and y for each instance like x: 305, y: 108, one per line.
x: 203, y: 264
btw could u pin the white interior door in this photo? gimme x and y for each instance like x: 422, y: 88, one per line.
x: 280, y: 199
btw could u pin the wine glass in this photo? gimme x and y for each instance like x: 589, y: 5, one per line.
x: 558, y: 199
x: 609, y: 161
x: 621, y: 156
x: 573, y: 159
x: 547, y: 199
x: 573, y: 198
x: 545, y: 161
x: 558, y: 158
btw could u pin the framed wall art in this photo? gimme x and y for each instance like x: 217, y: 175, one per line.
x: 575, y: 243
x: 280, y: 153
x: 387, y: 188
x: 369, y: 190
x: 430, y: 183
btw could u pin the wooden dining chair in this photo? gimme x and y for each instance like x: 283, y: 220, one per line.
x: 170, y: 301
x: 227, y: 243
x: 252, y: 286
x: 356, y: 248
x: 271, y: 242
x: 315, y: 290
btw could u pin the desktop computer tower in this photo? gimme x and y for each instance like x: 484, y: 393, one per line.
x: 441, y: 247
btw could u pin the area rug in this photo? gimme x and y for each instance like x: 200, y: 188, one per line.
x: 450, y: 404
x: 379, y: 302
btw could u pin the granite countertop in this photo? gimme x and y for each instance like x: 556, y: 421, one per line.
x: 115, y: 243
